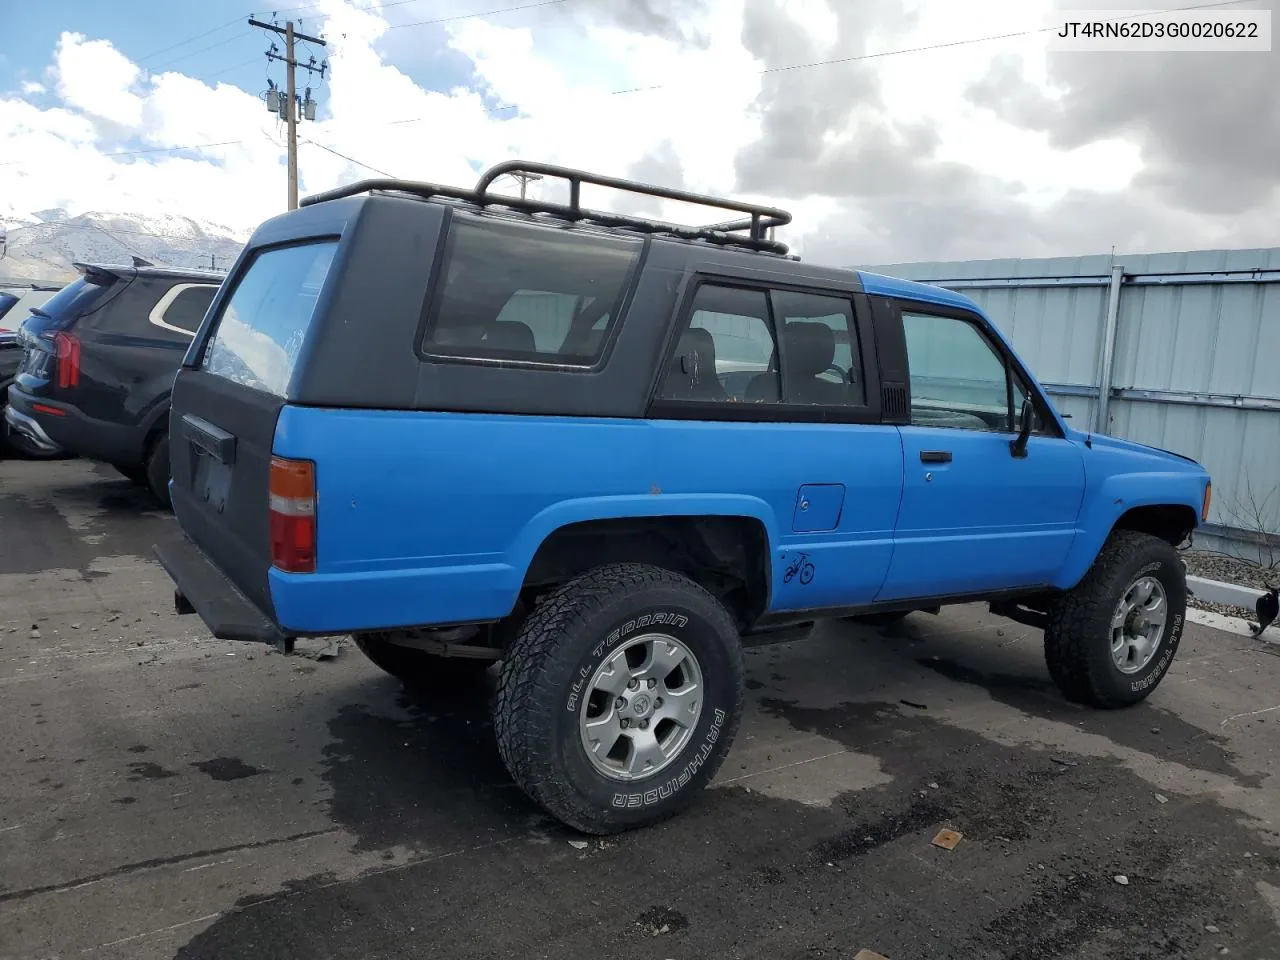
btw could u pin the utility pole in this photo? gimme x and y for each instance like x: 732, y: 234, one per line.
x: 525, y: 179
x: 289, y: 110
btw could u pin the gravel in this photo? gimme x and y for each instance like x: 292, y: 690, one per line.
x: 1217, y: 566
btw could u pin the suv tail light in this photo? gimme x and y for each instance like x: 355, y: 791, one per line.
x: 1208, y: 499
x: 293, y: 515
x: 67, y: 349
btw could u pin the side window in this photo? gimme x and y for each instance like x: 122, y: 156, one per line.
x: 821, y: 355
x: 183, y: 307
x: 957, y: 378
x: 525, y: 292
x: 727, y: 352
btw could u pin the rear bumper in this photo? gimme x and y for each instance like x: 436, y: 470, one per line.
x: 28, y: 427
x: 206, y: 590
x: 72, y: 431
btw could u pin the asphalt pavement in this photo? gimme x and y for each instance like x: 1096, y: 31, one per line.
x: 164, y: 794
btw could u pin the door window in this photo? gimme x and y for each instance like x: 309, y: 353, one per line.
x: 821, y: 356
x: 957, y: 377
x: 727, y: 351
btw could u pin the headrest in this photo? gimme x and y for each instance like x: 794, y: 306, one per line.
x: 697, y: 353
x: 811, y: 347
x: 510, y: 335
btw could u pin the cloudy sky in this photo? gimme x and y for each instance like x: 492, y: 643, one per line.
x: 889, y: 134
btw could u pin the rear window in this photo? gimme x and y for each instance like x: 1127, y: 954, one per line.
x: 516, y: 291
x: 71, y: 301
x: 262, y: 325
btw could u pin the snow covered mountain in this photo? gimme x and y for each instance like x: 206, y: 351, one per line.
x: 43, y: 245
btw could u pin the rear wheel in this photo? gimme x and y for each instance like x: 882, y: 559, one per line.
x: 1110, y: 641
x: 419, y: 670
x: 136, y: 473
x: 157, y: 470
x: 620, y: 697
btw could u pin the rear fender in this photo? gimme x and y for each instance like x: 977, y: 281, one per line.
x: 1111, y: 498
x: 568, y: 512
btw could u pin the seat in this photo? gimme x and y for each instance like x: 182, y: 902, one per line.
x: 810, y: 350
x: 692, y: 374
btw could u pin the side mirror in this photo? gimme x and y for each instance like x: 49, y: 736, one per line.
x: 1026, y: 421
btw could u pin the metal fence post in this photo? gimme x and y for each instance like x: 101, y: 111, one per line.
x: 1102, y: 422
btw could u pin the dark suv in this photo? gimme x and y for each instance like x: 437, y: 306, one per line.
x: 609, y: 452
x: 98, y: 363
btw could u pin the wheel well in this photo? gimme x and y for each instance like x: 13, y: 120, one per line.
x: 728, y: 556
x: 1171, y: 522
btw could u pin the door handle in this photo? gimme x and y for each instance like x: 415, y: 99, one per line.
x: 935, y: 456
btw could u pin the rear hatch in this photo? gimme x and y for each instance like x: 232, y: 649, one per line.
x: 226, y: 400
x: 50, y: 365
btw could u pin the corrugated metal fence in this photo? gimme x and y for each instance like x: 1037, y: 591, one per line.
x: 1177, y: 350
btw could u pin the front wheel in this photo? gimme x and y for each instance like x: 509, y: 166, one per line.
x: 1112, y: 638
x: 620, y: 697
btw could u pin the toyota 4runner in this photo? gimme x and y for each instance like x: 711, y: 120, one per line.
x: 608, y: 451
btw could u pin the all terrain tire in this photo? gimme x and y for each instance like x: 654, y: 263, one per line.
x: 619, y: 697
x: 1112, y: 638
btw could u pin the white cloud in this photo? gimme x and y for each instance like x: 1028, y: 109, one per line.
x: 559, y: 74
x: 94, y: 77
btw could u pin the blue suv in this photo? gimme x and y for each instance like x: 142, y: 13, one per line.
x: 607, y: 452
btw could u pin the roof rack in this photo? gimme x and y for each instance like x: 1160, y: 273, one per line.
x: 757, y: 224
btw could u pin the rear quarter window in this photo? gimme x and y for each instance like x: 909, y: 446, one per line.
x: 523, y: 292
x: 261, y: 327
x: 182, y: 308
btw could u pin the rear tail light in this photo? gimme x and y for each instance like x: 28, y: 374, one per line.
x: 293, y: 515
x: 67, y: 349
x: 1208, y: 499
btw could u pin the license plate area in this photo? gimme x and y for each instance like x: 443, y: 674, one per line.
x: 210, y: 479
x: 213, y: 458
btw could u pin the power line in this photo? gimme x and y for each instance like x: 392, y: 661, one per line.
x: 134, y: 153
x: 470, y: 16
x: 192, y: 53
x: 181, y: 43
x: 358, y: 163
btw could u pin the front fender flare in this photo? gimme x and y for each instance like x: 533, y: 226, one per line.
x: 1115, y: 496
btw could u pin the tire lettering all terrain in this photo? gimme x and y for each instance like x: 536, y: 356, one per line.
x: 629, y: 800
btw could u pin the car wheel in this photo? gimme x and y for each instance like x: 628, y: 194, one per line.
x: 157, y: 470
x: 1110, y: 640
x: 418, y: 670
x: 619, y: 697
x: 138, y: 474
